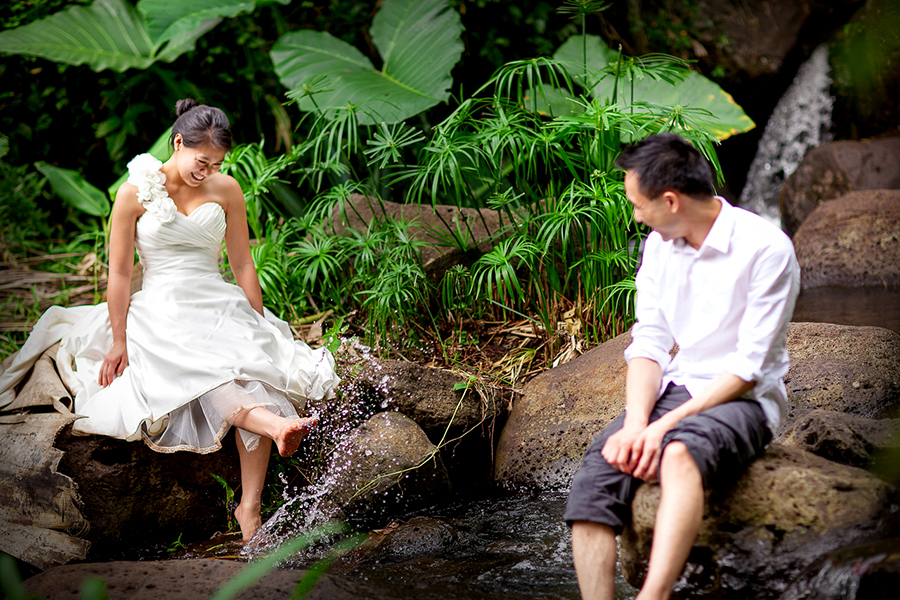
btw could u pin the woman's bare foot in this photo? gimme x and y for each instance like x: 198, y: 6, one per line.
x: 249, y: 520
x: 293, y: 431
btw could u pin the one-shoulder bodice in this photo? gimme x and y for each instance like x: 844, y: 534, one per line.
x: 185, y: 247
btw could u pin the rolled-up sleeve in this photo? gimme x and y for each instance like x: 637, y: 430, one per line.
x: 761, y: 354
x: 651, y: 335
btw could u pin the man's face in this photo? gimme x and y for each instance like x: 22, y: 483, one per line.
x: 655, y: 213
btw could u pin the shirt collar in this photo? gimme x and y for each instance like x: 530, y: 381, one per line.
x: 719, y: 236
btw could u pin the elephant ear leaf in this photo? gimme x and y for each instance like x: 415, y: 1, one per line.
x: 702, y: 102
x: 169, y: 19
x: 108, y: 34
x: 419, y: 41
x: 75, y: 190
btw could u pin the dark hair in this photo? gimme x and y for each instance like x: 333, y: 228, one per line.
x: 201, y: 125
x: 666, y: 161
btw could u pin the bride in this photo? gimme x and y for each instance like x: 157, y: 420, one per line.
x: 189, y: 355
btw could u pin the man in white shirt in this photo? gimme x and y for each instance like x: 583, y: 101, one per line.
x: 721, y: 282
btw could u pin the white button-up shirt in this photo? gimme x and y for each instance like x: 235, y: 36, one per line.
x: 727, y: 305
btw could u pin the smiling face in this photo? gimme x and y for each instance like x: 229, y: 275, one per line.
x: 194, y: 165
x: 659, y: 214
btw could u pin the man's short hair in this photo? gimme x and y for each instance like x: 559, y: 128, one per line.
x: 666, y: 161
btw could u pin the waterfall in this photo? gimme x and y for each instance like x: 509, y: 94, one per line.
x: 801, y: 121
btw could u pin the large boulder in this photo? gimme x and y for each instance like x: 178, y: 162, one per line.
x: 853, y: 241
x: 846, y: 439
x: 559, y: 413
x: 135, y: 497
x: 385, y: 468
x: 788, y: 510
x: 429, y: 224
x: 853, y: 370
x: 445, y: 405
x: 835, y: 169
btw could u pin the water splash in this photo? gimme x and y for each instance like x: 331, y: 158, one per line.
x: 801, y: 121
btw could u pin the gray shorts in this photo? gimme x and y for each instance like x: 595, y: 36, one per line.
x: 722, y: 441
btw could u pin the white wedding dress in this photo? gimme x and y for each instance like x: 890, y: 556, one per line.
x: 198, y: 353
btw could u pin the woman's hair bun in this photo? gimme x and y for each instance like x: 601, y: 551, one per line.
x: 182, y: 106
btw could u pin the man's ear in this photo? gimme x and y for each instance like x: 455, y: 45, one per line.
x: 672, y: 200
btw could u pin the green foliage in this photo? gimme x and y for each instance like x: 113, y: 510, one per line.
x: 419, y: 45
x: 74, y: 189
x: 229, y: 501
x: 112, y: 34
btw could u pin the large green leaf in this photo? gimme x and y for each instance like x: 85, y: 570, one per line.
x: 419, y: 41
x: 168, y: 19
x: 74, y: 189
x: 707, y: 105
x: 108, y: 34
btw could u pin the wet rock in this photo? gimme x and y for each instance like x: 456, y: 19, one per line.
x: 430, y: 397
x: 788, y: 510
x: 832, y: 170
x: 385, y: 468
x: 134, y: 496
x: 419, y: 537
x: 843, y: 438
x: 439, y: 402
x: 853, y: 370
x: 559, y: 413
x: 853, y: 241
x: 431, y: 224
x: 869, y: 571
x: 186, y: 580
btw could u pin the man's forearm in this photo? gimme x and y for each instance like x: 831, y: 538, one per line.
x: 642, y: 381
x: 724, y: 388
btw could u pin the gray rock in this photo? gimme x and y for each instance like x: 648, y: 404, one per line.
x: 186, y: 580
x: 835, y: 169
x: 788, y: 510
x: 133, y: 495
x: 853, y: 241
x: 559, y: 413
x: 852, y: 370
x: 843, y: 438
x: 399, y: 541
x: 424, y: 394
x: 385, y: 468
x: 430, y: 222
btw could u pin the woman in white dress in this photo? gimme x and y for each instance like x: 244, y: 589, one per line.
x: 179, y: 362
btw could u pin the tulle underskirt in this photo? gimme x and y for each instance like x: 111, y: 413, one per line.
x: 200, y: 425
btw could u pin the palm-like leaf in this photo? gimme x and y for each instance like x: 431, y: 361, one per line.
x: 419, y: 44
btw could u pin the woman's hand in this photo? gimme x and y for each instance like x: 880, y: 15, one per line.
x: 114, y: 364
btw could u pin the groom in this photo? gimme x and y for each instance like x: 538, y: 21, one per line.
x: 721, y: 282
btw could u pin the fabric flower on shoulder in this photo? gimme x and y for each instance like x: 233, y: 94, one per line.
x: 144, y: 174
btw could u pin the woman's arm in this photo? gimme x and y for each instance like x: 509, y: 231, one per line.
x: 237, y: 242
x: 125, y: 213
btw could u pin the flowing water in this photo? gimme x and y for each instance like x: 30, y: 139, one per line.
x: 801, y: 120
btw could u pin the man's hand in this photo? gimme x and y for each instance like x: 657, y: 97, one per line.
x: 648, y: 448
x: 619, y: 449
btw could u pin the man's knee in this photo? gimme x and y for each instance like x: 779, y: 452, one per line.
x: 677, y: 461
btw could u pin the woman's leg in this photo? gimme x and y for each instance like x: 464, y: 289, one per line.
x: 253, y: 476
x: 287, y: 434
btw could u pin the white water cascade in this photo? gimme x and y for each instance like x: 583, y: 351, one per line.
x: 800, y: 121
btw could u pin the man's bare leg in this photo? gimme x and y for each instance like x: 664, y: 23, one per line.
x: 253, y: 478
x: 677, y: 521
x: 594, y: 553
